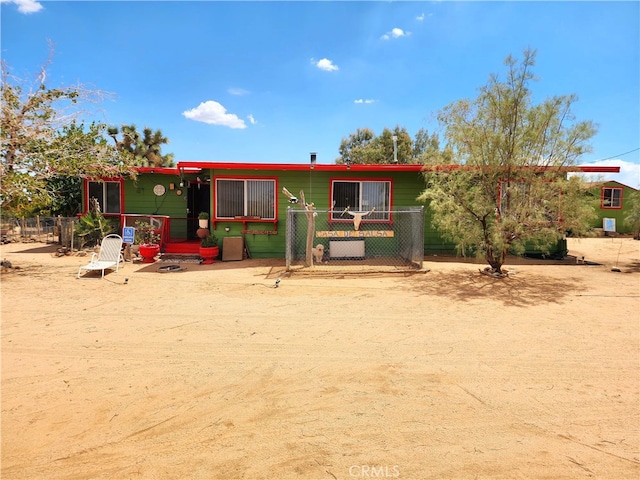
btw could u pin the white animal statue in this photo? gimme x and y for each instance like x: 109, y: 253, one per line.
x: 357, y: 217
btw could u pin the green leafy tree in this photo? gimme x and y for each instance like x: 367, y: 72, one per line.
x: 41, y: 139
x: 66, y: 199
x: 403, y: 145
x: 632, y: 218
x: 359, y: 148
x: 363, y: 146
x: 146, y: 148
x: 502, y: 184
x: 427, y: 149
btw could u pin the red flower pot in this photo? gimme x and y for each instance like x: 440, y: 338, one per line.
x: 209, y: 254
x: 148, y: 252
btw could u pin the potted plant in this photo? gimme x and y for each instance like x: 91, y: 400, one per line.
x: 203, y: 220
x: 149, y: 240
x: 209, y: 249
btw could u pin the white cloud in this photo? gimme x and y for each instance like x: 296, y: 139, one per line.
x: 26, y: 6
x: 395, y: 33
x: 325, y: 64
x: 362, y: 100
x: 238, y: 91
x: 420, y: 17
x: 252, y: 120
x: 629, y: 172
x: 214, y: 114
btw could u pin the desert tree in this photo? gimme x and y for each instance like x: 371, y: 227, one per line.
x: 427, y: 148
x: 146, y: 148
x: 365, y: 147
x: 358, y: 148
x: 632, y: 217
x: 66, y: 199
x: 503, y: 184
x: 42, y: 137
x: 403, y: 145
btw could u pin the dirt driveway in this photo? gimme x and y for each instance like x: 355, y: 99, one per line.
x: 212, y: 373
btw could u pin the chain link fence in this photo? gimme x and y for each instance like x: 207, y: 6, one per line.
x: 344, y: 242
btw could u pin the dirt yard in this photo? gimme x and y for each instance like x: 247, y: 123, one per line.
x: 213, y: 373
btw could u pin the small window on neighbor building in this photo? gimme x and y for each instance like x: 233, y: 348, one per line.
x: 611, y: 197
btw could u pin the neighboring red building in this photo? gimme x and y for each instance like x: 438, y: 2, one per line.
x: 613, y: 205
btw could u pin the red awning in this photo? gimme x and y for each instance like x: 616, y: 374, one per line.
x: 196, y: 167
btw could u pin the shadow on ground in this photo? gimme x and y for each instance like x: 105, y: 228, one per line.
x: 201, y: 267
x: 631, y: 267
x: 517, y: 291
x: 39, y: 248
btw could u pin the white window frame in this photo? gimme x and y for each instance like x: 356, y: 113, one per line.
x: 612, y: 205
x: 363, y: 204
x: 246, y: 197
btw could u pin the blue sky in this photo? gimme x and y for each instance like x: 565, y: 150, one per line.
x: 270, y: 82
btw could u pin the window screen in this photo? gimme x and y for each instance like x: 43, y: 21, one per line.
x: 245, y: 198
x: 362, y: 196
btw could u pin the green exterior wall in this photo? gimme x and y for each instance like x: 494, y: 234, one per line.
x: 139, y: 196
x: 140, y: 199
x: 406, y: 186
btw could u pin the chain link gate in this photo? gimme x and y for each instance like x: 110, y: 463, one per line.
x: 339, y: 242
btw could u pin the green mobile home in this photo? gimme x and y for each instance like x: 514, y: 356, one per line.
x: 245, y: 199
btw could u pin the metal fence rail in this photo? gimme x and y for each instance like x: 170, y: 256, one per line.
x: 328, y: 240
x: 41, y: 229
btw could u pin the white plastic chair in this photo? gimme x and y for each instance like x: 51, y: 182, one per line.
x: 110, y: 256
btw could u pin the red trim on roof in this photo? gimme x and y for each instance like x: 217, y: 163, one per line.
x: 302, y: 167
x: 575, y: 168
x: 197, y: 167
x: 587, y: 169
x: 169, y: 170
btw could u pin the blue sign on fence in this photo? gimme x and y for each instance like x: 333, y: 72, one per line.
x: 128, y: 234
